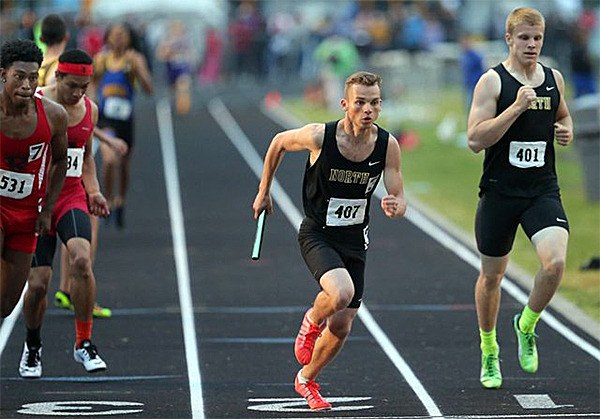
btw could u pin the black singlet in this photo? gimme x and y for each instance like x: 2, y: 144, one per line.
x: 522, y: 163
x: 336, y: 191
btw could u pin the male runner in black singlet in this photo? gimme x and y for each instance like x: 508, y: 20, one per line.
x: 518, y: 111
x: 346, y: 161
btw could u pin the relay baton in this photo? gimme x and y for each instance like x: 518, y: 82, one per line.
x: 260, y: 228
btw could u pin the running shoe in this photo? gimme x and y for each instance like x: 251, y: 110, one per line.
x: 63, y: 300
x: 306, y: 338
x: 31, y: 362
x: 490, y: 376
x: 101, y: 312
x: 310, y: 391
x: 87, y: 355
x: 528, y: 356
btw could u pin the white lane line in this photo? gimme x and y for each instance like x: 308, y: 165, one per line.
x: 8, y: 323
x: 171, y: 172
x: 463, y: 252
x: 221, y: 114
x: 503, y: 416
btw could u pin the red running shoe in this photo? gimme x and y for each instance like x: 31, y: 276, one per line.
x: 310, y: 391
x: 306, y: 338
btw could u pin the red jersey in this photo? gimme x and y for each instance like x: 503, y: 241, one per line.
x: 73, y: 195
x: 23, y: 164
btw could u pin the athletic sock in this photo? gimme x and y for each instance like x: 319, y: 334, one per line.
x: 301, y: 378
x: 488, y: 345
x: 528, y: 320
x: 83, y: 331
x: 33, y: 338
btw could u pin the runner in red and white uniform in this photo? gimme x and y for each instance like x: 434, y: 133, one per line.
x: 79, y: 197
x: 33, y: 145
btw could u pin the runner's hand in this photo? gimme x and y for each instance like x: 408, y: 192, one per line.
x: 393, y: 206
x: 98, y: 205
x: 262, y: 202
x: 563, y: 134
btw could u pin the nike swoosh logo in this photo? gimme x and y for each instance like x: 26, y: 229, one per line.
x: 85, y: 128
x: 373, y: 163
x: 548, y: 88
x: 560, y: 220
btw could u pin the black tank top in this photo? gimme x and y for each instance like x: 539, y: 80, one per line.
x: 336, y: 191
x: 522, y: 163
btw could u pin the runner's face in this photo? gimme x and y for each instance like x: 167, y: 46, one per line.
x: 21, y: 81
x: 525, y: 42
x: 71, y: 88
x: 363, y: 105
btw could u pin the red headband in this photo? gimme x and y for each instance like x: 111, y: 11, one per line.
x: 76, y: 69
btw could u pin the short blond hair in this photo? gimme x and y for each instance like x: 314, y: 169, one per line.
x: 363, y: 78
x: 524, y: 15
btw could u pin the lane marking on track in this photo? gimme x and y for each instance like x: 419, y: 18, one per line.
x: 221, y: 114
x: 538, y: 401
x: 171, y: 173
x: 100, y: 379
x: 459, y: 249
x: 298, y: 404
x: 81, y: 408
x: 9, y: 323
x: 526, y: 416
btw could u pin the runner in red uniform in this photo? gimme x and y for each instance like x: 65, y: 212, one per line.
x: 33, y: 144
x: 70, y: 220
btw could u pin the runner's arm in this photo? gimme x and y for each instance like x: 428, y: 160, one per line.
x: 563, y: 127
x: 394, y: 203
x: 309, y: 137
x: 57, y: 116
x: 96, y: 201
x: 485, y: 128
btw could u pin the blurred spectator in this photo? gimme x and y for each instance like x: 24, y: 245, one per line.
x: 338, y: 58
x: 89, y: 37
x: 55, y: 36
x: 471, y: 63
x: 26, y: 27
x: 213, y: 57
x: 582, y: 66
x: 247, y: 32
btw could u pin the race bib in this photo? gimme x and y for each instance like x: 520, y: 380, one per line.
x: 527, y: 154
x: 117, y: 108
x: 75, y: 162
x: 346, y: 212
x: 15, y: 185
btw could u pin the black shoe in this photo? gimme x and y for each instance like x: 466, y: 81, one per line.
x: 591, y: 265
x: 120, y: 217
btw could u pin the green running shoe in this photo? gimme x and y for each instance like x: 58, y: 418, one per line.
x: 63, y: 300
x: 490, y: 376
x: 101, y: 312
x: 528, y: 356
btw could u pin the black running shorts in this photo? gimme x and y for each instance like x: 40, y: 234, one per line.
x: 327, y: 249
x: 498, y: 217
x: 75, y: 223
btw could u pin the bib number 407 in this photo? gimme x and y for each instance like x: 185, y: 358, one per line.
x: 346, y: 212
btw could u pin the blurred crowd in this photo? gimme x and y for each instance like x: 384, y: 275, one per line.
x: 282, y: 41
